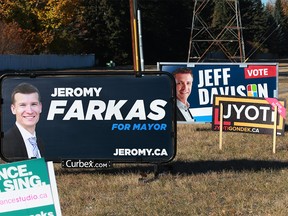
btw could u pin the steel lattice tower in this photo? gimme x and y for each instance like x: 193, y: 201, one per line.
x: 204, y: 40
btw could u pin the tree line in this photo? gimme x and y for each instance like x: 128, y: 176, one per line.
x: 102, y: 27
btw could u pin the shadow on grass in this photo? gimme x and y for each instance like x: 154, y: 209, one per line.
x: 197, y: 167
x: 187, y: 167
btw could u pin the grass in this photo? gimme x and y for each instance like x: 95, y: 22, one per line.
x: 244, y: 178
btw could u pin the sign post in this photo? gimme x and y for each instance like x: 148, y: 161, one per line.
x: 275, y: 129
x: 248, y: 115
x: 221, y: 127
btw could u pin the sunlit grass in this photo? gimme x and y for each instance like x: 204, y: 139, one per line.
x: 244, y: 178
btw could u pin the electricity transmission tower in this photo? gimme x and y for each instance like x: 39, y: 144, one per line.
x: 206, y: 40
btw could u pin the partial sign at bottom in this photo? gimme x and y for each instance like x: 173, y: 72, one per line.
x: 28, y: 188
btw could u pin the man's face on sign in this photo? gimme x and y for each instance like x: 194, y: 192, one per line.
x: 183, y: 86
x: 27, y: 109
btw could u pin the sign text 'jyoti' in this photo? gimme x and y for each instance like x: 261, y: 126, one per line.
x: 249, y: 112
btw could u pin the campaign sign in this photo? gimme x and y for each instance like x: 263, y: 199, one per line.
x: 25, y: 189
x: 233, y: 79
x: 103, y: 116
x: 247, y: 115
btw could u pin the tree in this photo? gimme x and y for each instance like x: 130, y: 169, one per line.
x: 10, y: 38
x: 224, y: 29
x: 22, y: 13
x: 281, y: 35
x: 47, y: 24
x: 166, y: 29
x: 254, y: 21
x: 105, y: 30
x: 103, y: 27
x: 60, y: 21
x: 221, y: 15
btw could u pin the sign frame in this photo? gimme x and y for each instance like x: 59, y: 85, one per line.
x: 167, y: 93
x: 229, y: 124
x: 265, y: 78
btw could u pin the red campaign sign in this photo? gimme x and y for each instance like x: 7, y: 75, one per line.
x: 259, y: 71
x: 281, y: 109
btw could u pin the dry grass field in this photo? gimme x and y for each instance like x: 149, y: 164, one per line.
x: 244, y: 178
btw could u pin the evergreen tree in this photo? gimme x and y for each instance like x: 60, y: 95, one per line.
x: 166, y: 29
x: 224, y: 27
x: 254, y: 22
x: 106, y: 30
x: 281, y: 35
x: 221, y: 14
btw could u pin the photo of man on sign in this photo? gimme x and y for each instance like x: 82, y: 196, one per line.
x: 210, y: 79
x: 184, y: 81
x: 20, y: 140
x: 82, y: 117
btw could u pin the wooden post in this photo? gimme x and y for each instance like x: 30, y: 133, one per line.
x: 221, y: 127
x: 275, y: 128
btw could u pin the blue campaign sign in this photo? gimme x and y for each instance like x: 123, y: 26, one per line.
x: 231, y: 79
x: 108, y: 116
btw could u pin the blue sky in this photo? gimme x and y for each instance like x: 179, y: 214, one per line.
x: 265, y: 1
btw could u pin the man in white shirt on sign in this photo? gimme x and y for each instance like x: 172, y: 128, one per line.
x: 184, y: 81
x: 20, y: 141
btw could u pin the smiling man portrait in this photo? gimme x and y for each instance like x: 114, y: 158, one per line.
x: 184, y: 80
x: 20, y: 141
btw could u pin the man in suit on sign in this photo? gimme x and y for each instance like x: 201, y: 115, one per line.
x: 20, y: 142
x: 184, y: 81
